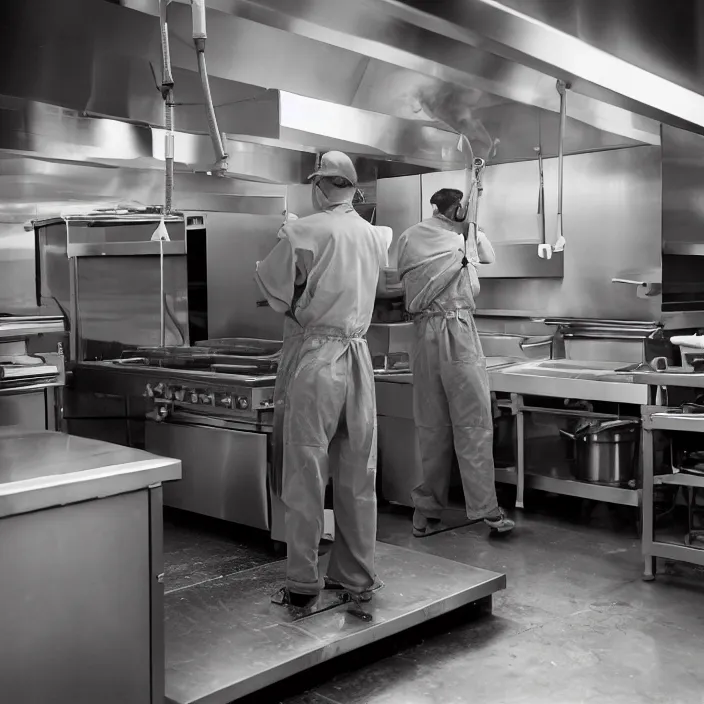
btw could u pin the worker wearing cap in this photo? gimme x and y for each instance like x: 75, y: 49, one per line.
x: 451, y: 399
x: 324, y: 273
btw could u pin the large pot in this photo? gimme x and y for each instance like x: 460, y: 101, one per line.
x: 606, y: 453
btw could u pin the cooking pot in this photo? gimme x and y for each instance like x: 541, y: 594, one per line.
x: 605, y: 453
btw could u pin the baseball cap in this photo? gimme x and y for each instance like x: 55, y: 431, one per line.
x: 336, y: 164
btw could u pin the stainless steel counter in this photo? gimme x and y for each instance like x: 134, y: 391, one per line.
x: 399, y: 454
x: 42, y: 469
x: 81, y: 538
x: 671, y: 378
x: 561, y: 378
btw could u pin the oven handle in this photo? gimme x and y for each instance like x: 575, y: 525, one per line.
x: 190, y: 418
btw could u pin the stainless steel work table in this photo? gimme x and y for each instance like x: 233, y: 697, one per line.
x: 660, y: 418
x: 671, y: 378
x: 225, y: 640
x: 516, y: 380
x: 42, y: 469
x: 81, y: 568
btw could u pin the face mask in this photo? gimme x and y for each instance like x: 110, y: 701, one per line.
x: 319, y: 199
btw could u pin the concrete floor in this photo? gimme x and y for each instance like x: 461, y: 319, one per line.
x: 575, y: 625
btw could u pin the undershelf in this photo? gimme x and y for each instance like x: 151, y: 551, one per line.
x: 567, y: 486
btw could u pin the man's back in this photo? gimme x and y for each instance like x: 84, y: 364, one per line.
x: 430, y: 266
x: 339, y: 255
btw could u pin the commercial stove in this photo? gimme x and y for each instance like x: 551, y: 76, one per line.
x: 211, y: 406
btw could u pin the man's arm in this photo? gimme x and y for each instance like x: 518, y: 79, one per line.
x: 276, y: 276
x: 388, y: 284
x: 485, y: 251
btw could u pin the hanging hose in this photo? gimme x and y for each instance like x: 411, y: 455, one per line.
x: 215, y: 136
x: 199, y: 37
x: 167, y: 93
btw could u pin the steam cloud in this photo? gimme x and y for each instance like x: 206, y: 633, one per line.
x: 454, y: 107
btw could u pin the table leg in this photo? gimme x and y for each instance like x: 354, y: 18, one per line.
x: 520, y: 458
x: 647, y: 505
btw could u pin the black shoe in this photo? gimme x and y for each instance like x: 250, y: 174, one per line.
x: 285, y: 597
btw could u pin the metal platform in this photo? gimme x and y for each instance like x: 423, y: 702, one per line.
x: 225, y: 640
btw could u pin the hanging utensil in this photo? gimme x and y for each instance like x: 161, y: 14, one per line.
x: 562, y: 90
x: 544, y: 249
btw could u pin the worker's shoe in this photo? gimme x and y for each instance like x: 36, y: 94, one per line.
x: 332, y: 585
x: 285, y: 597
x: 423, y: 527
x: 500, y: 523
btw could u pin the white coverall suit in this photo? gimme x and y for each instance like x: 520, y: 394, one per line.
x: 329, y: 391
x: 452, y: 401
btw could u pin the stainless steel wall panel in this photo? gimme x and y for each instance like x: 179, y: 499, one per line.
x: 234, y: 244
x: 18, y: 292
x: 398, y: 207
x: 682, y: 187
x: 118, y: 299
x: 612, y: 211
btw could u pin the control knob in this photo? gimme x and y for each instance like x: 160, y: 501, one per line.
x: 206, y: 398
x: 149, y: 391
x: 159, y: 389
x: 193, y: 397
x: 226, y: 401
x: 242, y: 403
x: 180, y: 394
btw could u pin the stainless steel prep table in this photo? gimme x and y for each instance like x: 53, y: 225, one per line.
x: 660, y: 418
x: 399, y: 457
x: 561, y: 378
x: 81, y: 570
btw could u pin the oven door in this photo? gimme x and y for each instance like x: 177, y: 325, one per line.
x: 224, y: 470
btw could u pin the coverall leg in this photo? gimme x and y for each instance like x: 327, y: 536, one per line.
x: 354, y: 479
x: 466, y: 383
x: 332, y: 388
x: 452, y: 408
x: 293, y: 339
x: 432, y: 420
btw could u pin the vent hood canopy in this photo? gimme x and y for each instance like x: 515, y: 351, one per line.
x: 270, y: 65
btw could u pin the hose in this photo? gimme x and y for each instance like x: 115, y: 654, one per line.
x: 215, y: 136
x: 169, y: 151
x: 167, y: 93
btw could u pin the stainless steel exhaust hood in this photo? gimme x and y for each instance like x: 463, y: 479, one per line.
x: 284, y: 81
x: 365, y: 38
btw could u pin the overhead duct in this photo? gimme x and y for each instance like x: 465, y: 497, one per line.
x: 30, y: 188
x: 384, y: 34
x: 272, y: 86
x: 48, y: 132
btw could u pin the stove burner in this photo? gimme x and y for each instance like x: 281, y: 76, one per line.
x: 200, y: 359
